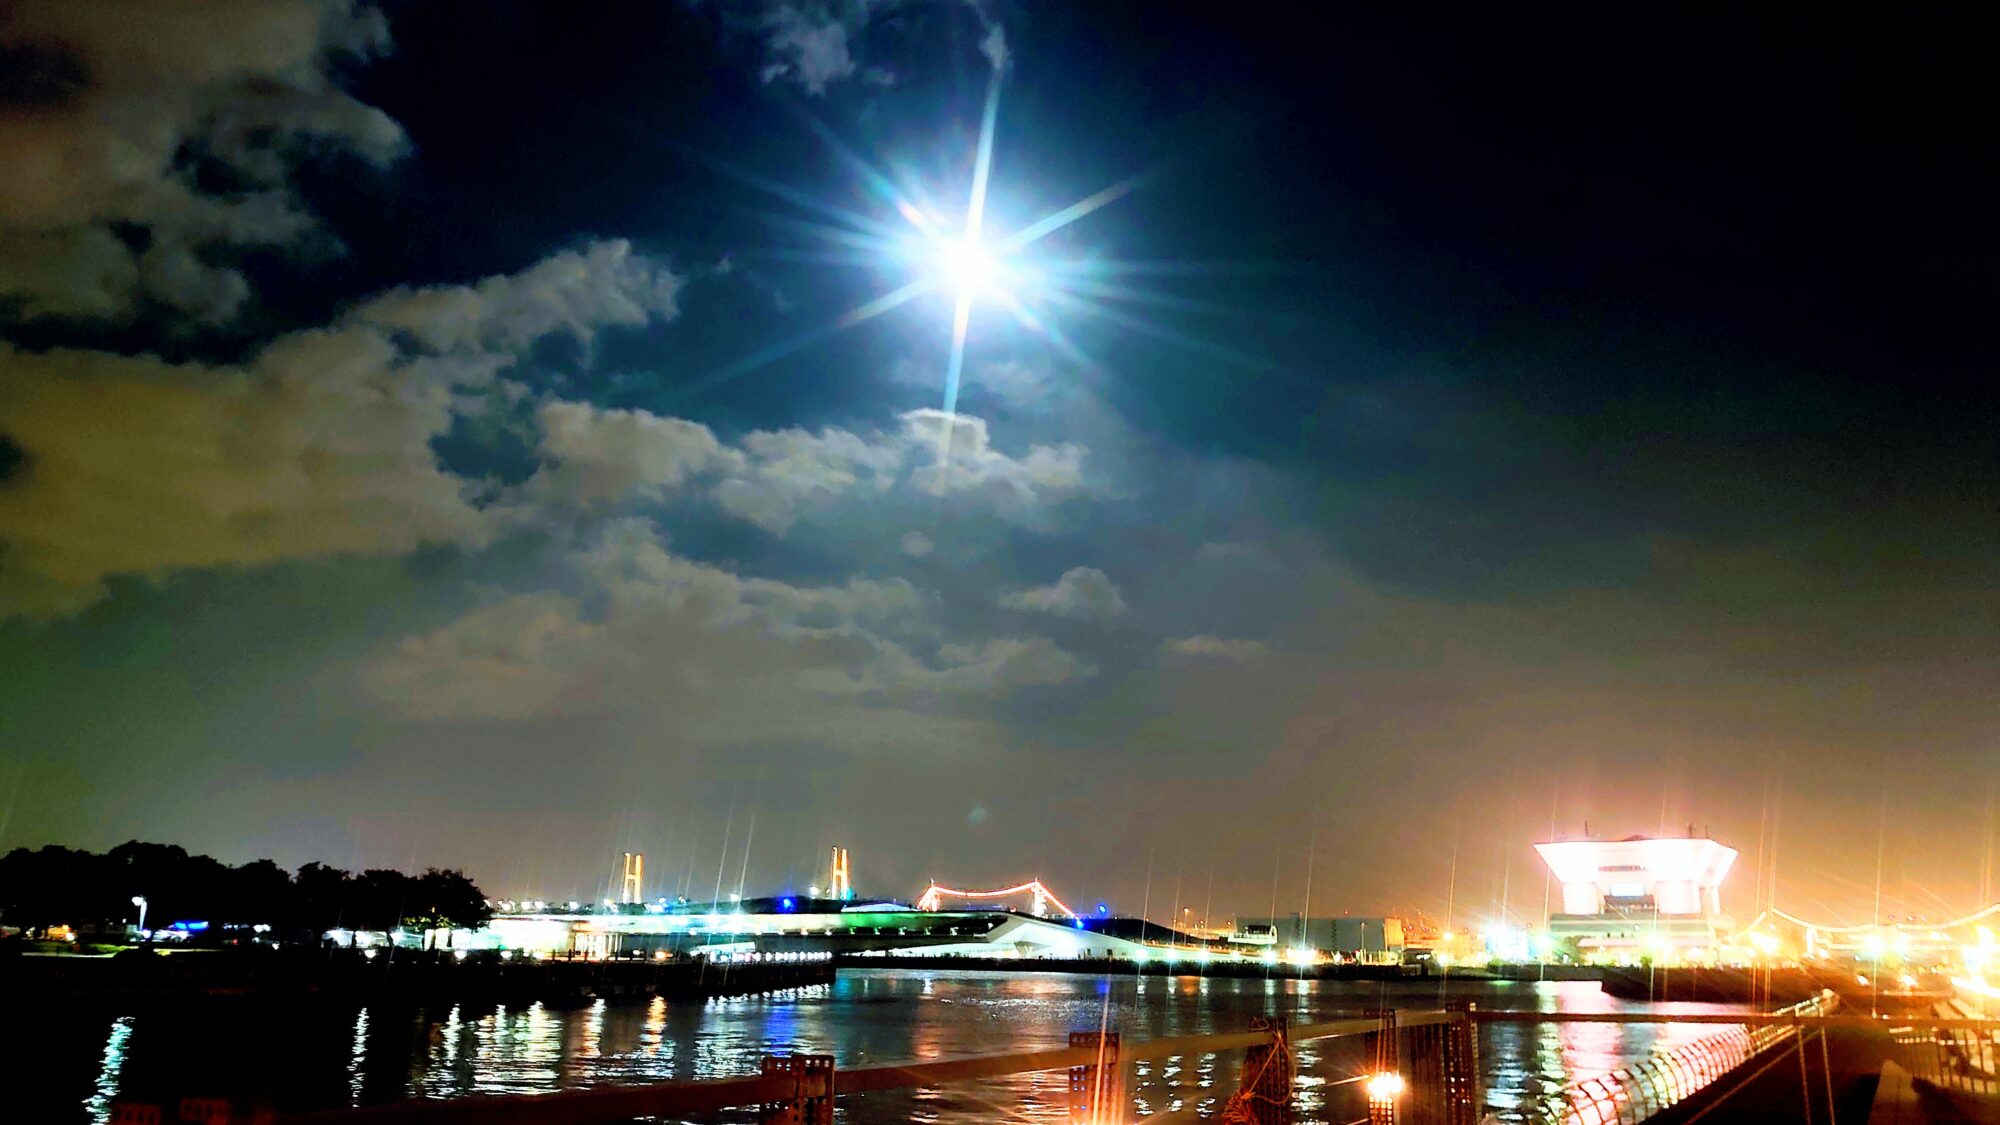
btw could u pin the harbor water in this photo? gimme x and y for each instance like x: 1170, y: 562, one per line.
x: 74, y: 1065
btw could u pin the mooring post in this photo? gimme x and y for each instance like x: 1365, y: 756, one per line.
x: 811, y: 1099
x: 1097, y: 1089
x: 1264, y: 1087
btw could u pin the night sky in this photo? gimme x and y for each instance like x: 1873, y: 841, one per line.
x: 425, y: 439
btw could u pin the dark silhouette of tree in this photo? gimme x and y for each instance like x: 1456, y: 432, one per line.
x: 446, y: 900
x: 260, y: 890
x: 378, y: 899
x: 320, y: 898
x: 55, y: 885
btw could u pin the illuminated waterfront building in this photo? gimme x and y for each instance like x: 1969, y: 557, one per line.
x: 1376, y: 940
x: 1640, y: 898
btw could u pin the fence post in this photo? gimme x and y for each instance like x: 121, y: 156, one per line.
x: 1461, y: 1065
x: 1264, y: 1087
x: 1097, y: 1089
x: 811, y: 1100
x: 1385, y: 1083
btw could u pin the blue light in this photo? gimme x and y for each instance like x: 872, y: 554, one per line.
x: 1079, y: 923
x: 1103, y: 909
x: 787, y: 903
x: 189, y: 927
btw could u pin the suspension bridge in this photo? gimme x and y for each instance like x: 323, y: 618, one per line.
x: 1040, y: 898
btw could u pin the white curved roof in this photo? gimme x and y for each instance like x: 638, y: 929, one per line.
x: 1639, y: 859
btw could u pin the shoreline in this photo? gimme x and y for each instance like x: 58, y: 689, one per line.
x: 403, y: 976
x: 1192, y: 967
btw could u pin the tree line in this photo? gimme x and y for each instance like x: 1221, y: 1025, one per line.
x: 54, y: 885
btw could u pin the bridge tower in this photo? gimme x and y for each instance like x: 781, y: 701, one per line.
x: 631, y: 885
x: 840, y: 880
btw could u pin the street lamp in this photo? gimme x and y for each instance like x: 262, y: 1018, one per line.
x: 140, y: 902
x: 1383, y: 1088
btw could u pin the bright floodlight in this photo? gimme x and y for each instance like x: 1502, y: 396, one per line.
x: 1384, y: 1087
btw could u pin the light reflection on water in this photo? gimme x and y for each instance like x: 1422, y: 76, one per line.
x: 360, y: 1054
x: 99, y: 1105
x: 383, y: 1054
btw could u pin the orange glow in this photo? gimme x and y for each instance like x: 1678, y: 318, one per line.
x: 1384, y: 1087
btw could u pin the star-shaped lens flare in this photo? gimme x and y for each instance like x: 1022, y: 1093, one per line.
x: 960, y: 260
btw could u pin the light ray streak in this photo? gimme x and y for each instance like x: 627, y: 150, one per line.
x: 870, y: 174
x: 975, y: 215
x: 841, y: 236
x: 783, y: 348
x: 809, y: 257
x: 1138, y: 267
x: 1055, y: 221
x: 1166, y: 335
x: 1081, y: 287
x: 1051, y: 332
x: 982, y: 165
x: 853, y: 219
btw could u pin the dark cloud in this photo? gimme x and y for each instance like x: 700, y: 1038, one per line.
x: 99, y: 208
x: 321, y: 444
x: 40, y: 75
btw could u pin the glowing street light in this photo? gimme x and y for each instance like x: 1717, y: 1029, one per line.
x: 140, y: 902
x: 1383, y: 1089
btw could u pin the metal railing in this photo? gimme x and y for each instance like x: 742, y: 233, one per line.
x: 1634, y: 1093
x: 1957, y: 1059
